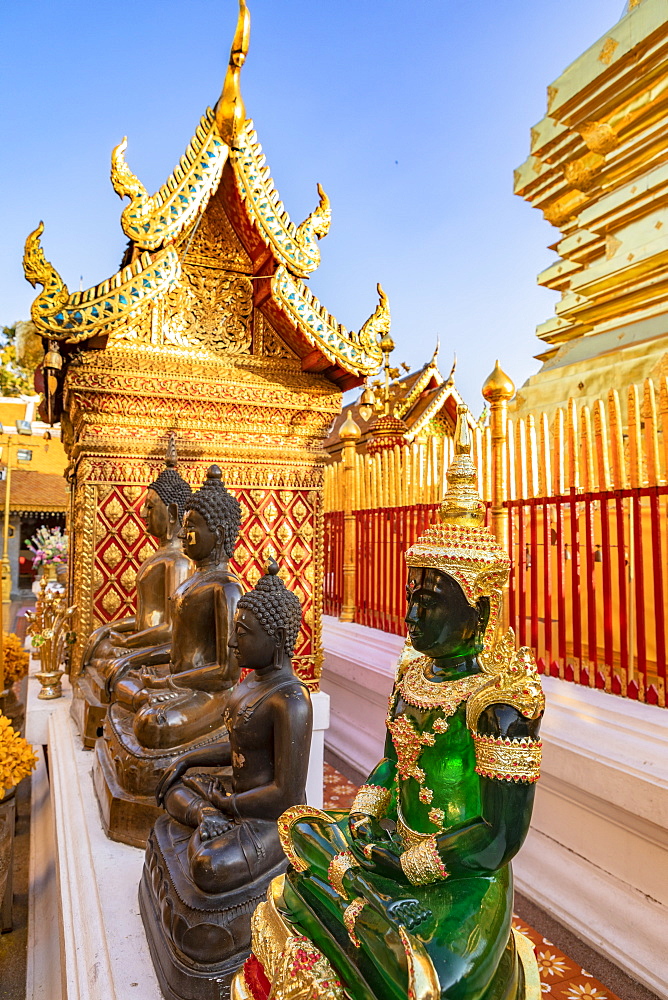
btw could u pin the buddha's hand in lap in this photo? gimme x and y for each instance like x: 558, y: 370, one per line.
x: 170, y: 776
x: 213, y: 824
x: 151, y: 678
x: 367, y: 830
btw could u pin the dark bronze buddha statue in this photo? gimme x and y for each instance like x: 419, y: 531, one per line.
x: 155, y: 717
x: 114, y: 649
x: 209, y: 862
x: 411, y: 894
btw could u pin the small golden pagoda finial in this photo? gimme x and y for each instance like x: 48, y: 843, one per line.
x: 350, y: 431
x: 230, y: 111
x: 461, y: 504
x: 498, y: 387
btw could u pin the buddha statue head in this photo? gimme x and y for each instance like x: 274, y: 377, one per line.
x: 166, y: 499
x: 267, y: 623
x: 212, y: 521
x: 457, y: 569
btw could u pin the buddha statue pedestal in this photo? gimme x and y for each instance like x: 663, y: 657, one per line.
x: 126, y: 775
x: 155, y: 719
x: 117, y: 648
x: 210, y: 862
x: 185, y: 926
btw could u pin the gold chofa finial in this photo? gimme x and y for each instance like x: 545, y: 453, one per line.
x: 461, y: 504
x: 230, y: 111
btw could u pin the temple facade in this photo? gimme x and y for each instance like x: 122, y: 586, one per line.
x: 210, y: 332
x: 597, y: 171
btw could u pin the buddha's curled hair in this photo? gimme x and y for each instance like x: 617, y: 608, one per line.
x: 172, y: 489
x: 218, y: 508
x: 274, y: 606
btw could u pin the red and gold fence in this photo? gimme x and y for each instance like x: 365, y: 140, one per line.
x: 580, y: 498
x: 588, y: 590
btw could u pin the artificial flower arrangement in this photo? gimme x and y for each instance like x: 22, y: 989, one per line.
x: 49, y: 546
x: 16, y: 659
x: 17, y: 759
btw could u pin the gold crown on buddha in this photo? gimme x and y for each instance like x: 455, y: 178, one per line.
x: 460, y: 545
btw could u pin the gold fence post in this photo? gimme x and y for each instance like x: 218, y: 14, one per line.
x: 498, y: 390
x: 350, y: 434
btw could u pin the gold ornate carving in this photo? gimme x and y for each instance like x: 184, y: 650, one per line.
x: 355, y: 352
x: 422, y: 864
x: 129, y: 579
x: 82, y: 315
x: 210, y: 309
x: 508, y: 760
x: 295, y: 247
x: 371, y: 800
x: 408, y: 743
x: 285, y: 823
x: 338, y: 866
x: 350, y: 915
x: 152, y: 220
x: 130, y: 532
x: 418, y: 690
x: 295, y: 968
x: 215, y: 243
x: 113, y: 510
x: 112, y: 555
x: 111, y: 602
x: 512, y: 679
x: 408, y: 836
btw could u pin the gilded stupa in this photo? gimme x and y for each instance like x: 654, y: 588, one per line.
x: 208, y: 331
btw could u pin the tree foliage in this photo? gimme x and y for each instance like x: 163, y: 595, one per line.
x: 15, y: 378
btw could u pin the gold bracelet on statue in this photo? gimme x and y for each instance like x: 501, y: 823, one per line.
x: 508, y: 760
x: 372, y: 800
x: 350, y: 915
x: 422, y: 864
x: 338, y: 867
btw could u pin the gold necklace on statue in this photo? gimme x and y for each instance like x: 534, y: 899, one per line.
x: 421, y: 692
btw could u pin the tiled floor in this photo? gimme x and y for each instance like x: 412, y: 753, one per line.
x: 561, y: 978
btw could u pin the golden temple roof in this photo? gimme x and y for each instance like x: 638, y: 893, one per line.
x: 224, y: 163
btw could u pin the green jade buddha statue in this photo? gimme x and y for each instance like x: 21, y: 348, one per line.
x: 411, y: 894
x: 116, y: 648
x: 209, y: 862
x: 155, y: 717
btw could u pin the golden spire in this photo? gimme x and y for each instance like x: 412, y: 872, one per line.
x: 498, y: 386
x: 230, y: 111
x: 461, y: 504
x: 349, y: 429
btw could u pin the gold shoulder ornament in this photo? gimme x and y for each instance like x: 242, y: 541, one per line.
x: 512, y: 679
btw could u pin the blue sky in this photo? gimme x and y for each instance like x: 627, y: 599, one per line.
x: 412, y: 115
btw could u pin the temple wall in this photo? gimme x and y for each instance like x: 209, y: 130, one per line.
x: 262, y: 420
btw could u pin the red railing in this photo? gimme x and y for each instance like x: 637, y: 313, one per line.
x: 333, y: 563
x: 382, y: 537
x: 587, y: 588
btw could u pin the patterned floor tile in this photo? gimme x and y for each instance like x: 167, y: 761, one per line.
x: 560, y: 977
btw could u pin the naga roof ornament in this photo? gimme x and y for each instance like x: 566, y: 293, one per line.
x: 79, y: 316
x: 152, y: 220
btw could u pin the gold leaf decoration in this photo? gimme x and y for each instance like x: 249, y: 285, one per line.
x: 112, y: 556
x: 130, y: 532
x: 111, y: 602
x: 129, y: 579
x: 113, y: 510
x: 271, y: 512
